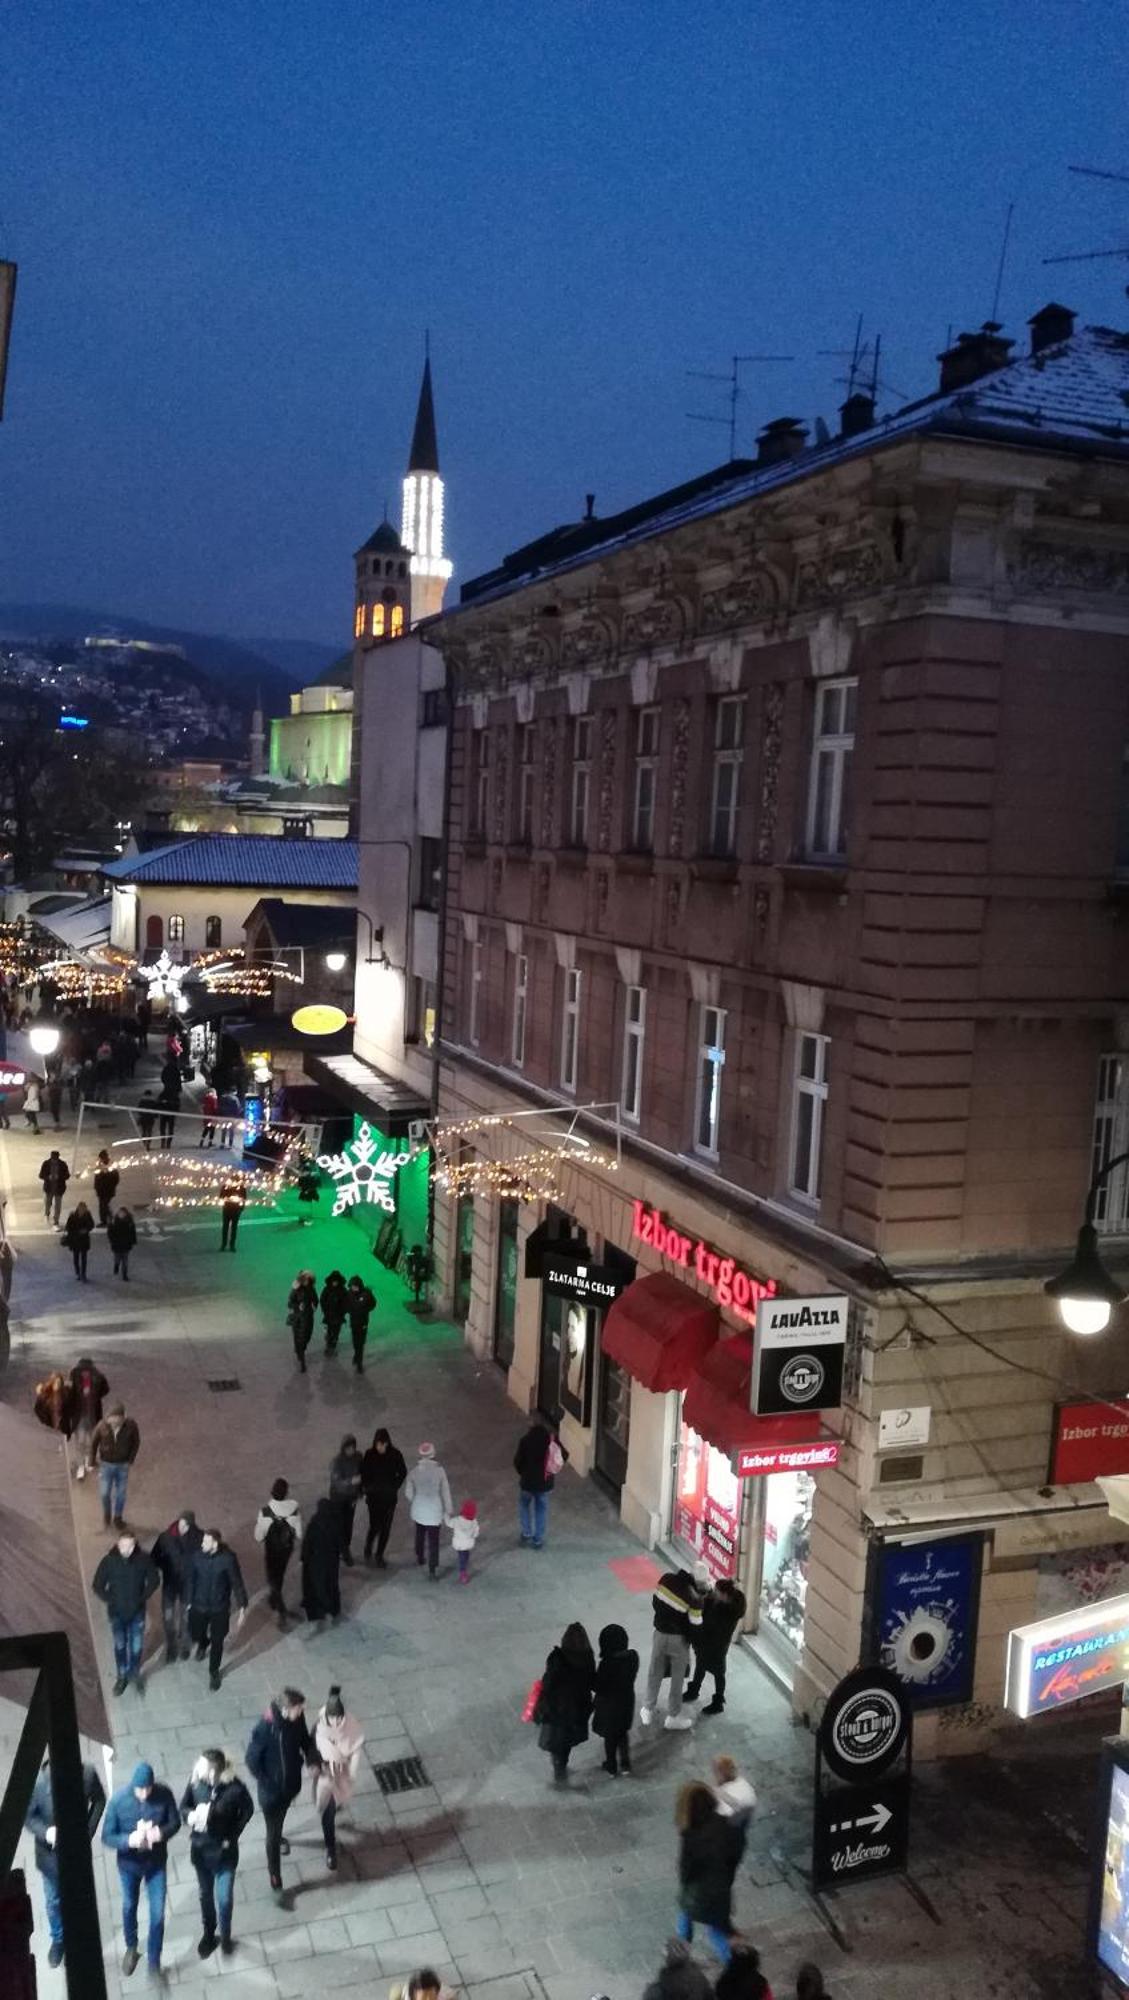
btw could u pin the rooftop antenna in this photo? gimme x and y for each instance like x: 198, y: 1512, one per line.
x: 733, y: 383
x: 1092, y: 256
x: 859, y: 355
x: 995, y: 312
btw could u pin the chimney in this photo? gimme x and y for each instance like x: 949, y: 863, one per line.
x: 1051, y: 324
x: 974, y: 355
x: 856, y: 414
x: 784, y: 437
x: 589, y: 506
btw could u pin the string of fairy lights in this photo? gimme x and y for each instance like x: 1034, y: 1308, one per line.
x: 531, y: 1174
x: 184, y: 1181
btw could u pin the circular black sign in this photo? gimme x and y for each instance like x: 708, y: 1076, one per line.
x: 802, y: 1378
x: 863, y: 1727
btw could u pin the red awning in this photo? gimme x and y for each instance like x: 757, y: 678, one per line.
x: 717, y: 1402
x: 660, y: 1331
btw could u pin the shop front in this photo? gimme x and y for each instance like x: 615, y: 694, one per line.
x: 578, y: 1383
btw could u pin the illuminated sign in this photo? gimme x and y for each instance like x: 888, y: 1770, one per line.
x: 1109, y: 1888
x: 11, y: 1079
x: 753, y: 1461
x: 1062, y: 1659
x: 731, y: 1286
x: 799, y: 1355
x: 1088, y: 1440
x: 318, y: 1020
x: 364, y: 1172
x: 592, y: 1284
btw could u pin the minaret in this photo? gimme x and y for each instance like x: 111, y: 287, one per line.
x: 422, y: 519
x: 257, y: 735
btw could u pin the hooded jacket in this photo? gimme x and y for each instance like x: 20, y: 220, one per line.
x: 382, y: 1472
x: 275, y: 1756
x: 173, y: 1551
x: 338, y: 1743
x: 230, y: 1807
x: 427, y: 1490
x: 278, y: 1510
x: 54, y: 1174
x: 676, y: 1606
x: 78, y: 1230
x: 721, y: 1615
x: 359, y: 1305
x: 345, y: 1476
x: 300, y: 1307
x: 121, y: 1234
x: 334, y: 1300
x: 124, y: 1815
x: 115, y: 1447
x: 614, y: 1710
x: 564, y: 1705
x: 530, y: 1457
x: 211, y: 1581
x: 90, y: 1390
x: 41, y: 1815
x: 126, y: 1583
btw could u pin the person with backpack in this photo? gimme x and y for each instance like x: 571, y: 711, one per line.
x: 300, y: 1307
x: 54, y: 1175
x: 216, y: 1808
x: 278, y: 1530
x: 360, y: 1306
x: 334, y: 1305
x: 172, y: 1552
x: 106, y: 1179
x: 537, y: 1461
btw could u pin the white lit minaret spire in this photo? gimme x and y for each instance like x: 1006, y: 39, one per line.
x: 422, y: 530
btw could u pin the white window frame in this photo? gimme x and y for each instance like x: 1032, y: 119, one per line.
x: 581, y: 795
x: 709, y: 1069
x: 517, y: 1027
x: 805, y: 1176
x: 647, y: 726
x: 1110, y: 1137
x: 570, y: 1027
x: 526, y: 786
x: 474, y: 994
x: 728, y: 756
x: 481, y: 783
x: 174, y: 930
x: 631, y: 1059
x: 832, y: 752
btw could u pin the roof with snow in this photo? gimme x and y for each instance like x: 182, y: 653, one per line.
x: 1071, y: 396
x: 242, y: 861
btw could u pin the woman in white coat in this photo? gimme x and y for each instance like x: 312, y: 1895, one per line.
x: 428, y: 1493
x: 338, y: 1738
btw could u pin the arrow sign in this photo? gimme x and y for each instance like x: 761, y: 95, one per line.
x: 875, y: 1820
x: 860, y: 1831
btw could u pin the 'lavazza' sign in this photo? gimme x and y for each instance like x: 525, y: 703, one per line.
x: 799, y: 1355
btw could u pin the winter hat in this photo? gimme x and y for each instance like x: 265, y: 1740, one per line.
x: 613, y: 1639
x: 427, y: 1451
x: 335, y: 1707
x: 187, y: 1516
x: 142, y: 1776
x: 115, y: 1409
x: 469, y: 1510
x: 701, y: 1573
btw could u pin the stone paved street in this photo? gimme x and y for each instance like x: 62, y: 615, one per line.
x: 510, y: 1887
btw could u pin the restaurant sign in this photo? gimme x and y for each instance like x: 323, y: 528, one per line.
x: 735, y: 1289
x: 1060, y: 1660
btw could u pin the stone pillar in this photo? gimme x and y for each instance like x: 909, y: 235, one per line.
x: 645, y: 1505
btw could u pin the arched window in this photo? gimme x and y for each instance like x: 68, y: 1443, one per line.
x: 378, y: 621
x: 213, y: 933
x: 397, y: 620
x: 154, y: 933
x: 389, y: 569
x: 359, y: 622
x: 403, y: 569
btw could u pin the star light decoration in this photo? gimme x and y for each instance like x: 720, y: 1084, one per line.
x: 363, y: 1172
x: 162, y: 977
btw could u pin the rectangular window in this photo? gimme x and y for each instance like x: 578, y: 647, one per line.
x: 728, y: 750
x: 570, y: 1029
x: 176, y: 930
x: 581, y: 780
x: 474, y: 993
x: 631, y: 1072
x: 646, y: 780
x: 521, y: 988
x: 711, y: 1062
x: 359, y: 623
x: 829, y: 784
x: 433, y: 708
x: 809, y: 1100
x: 524, y: 828
x: 430, y: 872
x: 1111, y: 1136
x: 480, y: 796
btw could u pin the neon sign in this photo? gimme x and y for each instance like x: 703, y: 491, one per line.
x: 754, y: 1461
x: 1059, y: 1660
x: 364, y: 1172
x: 731, y: 1286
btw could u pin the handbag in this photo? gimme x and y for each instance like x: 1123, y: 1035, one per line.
x: 529, y: 1712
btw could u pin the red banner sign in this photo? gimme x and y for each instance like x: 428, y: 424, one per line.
x: 1089, y: 1440
x: 753, y: 1461
x: 731, y: 1286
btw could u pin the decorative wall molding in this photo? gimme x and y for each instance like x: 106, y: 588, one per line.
x: 679, y: 764
x: 772, y: 737
x: 661, y: 622
x: 1054, y: 566
x: 739, y: 601
x: 499, y: 796
x: 549, y: 781
x: 604, y: 828
x: 705, y: 984
x: 803, y: 1006
x: 832, y: 574
x: 513, y: 940
x: 831, y: 643
x: 629, y: 964
x: 565, y: 943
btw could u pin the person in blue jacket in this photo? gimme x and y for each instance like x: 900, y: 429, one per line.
x: 40, y: 1822
x: 140, y: 1821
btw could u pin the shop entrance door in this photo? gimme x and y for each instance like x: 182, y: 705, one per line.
x: 613, y: 1424
x: 780, y: 1543
x: 464, y: 1258
x: 505, y: 1289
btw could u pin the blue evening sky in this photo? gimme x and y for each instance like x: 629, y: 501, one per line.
x: 234, y: 219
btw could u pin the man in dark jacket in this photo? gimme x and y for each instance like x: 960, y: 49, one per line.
x: 54, y: 1174
x: 89, y: 1388
x: 535, y: 1481
x: 215, y: 1808
x: 280, y: 1745
x: 233, y: 1200
x: 113, y: 1448
x: 40, y: 1821
x: 345, y: 1491
x: 173, y: 1550
x: 722, y: 1612
x: 140, y: 1821
x: 383, y: 1472
x: 359, y: 1304
x: 678, y: 1613
x: 125, y: 1580
x: 212, y: 1578
x: 106, y: 1182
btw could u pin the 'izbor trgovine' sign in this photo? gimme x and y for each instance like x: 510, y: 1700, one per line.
x: 730, y: 1285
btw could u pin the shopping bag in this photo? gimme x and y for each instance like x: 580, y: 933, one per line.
x: 529, y: 1712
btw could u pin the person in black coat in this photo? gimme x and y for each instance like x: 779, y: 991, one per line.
x: 535, y: 1481
x: 722, y: 1612
x: 40, y: 1822
x: 709, y: 1851
x: 124, y: 1581
x: 280, y: 1746
x: 105, y: 1187
x: 564, y: 1705
x: 334, y: 1305
x: 345, y: 1491
x: 172, y: 1552
x: 121, y: 1235
x: 360, y: 1304
x: 300, y: 1308
x: 77, y: 1232
x: 614, y: 1687
x: 383, y: 1472
x: 212, y: 1580
x: 216, y: 1808
x: 321, y: 1565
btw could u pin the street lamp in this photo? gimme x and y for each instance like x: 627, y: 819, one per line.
x: 1084, y: 1293
x: 336, y: 960
x: 43, y: 1036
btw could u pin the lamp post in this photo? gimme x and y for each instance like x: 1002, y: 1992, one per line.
x: 337, y: 960
x: 43, y: 1034
x: 1084, y: 1293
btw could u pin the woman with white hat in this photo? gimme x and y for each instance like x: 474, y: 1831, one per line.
x: 428, y: 1493
x: 338, y: 1739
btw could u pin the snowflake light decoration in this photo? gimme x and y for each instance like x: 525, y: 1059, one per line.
x: 163, y: 976
x: 364, y: 1172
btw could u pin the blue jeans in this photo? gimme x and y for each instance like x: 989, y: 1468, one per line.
x: 533, y: 1512
x: 112, y: 1483
x: 217, y: 1897
x: 685, y: 1929
x: 54, y: 1907
x: 155, y: 1885
x: 129, y: 1643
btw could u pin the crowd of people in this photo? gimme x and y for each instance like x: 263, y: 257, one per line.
x: 339, y: 1301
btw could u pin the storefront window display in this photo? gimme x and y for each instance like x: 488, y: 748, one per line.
x: 707, y: 1504
x: 788, y: 1501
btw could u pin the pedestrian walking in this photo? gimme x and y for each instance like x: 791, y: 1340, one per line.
x: 428, y: 1494
x: 280, y: 1745
x: 121, y: 1234
x: 216, y: 1808
x: 678, y: 1613
x: 113, y: 1447
x: 309, y: 1185
x: 338, y: 1739
x: 736, y: 1798
x: 144, y: 1018
x: 614, y: 1689
x: 707, y: 1862
x: 209, y: 1112
x: 54, y: 1403
x: 140, y: 1821
x: 301, y: 1304
x: 680, y: 1977
x: 78, y: 1232
x: 213, y: 1580
x: 124, y: 1581
x: 537, y: 1460
x: 54, y: 1175
x: 321, y: 1565
x: 72, y: 1070
x: 334, y: 1305
x: 89, y: 1389
x: 278, y: 1528
x: 172, y: 1552
x: 564, y: 1705
x: 168, y: 1105
x: 383, y: 1472
x: 345, y: 1491
x: 809, y: 1983
x: 360, y: 1306
x: 32, y: 1102
x: 146, y: 1117
x: 723, y: 1609
x: 233, y: 1200
x: 106, y: 1180
x: 742, y: 1978
x: 40, y: 1823
x: 464, y: 1528
x: 55, y: 1096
